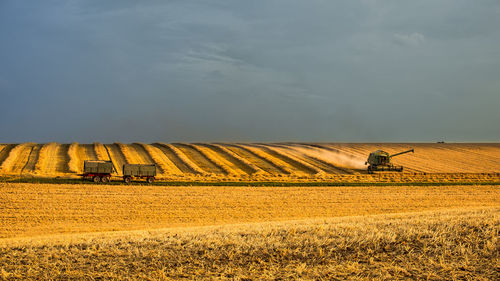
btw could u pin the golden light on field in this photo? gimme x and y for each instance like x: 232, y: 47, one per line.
x: 41, y: 209
x: 84, y: 231
x: 277, y: 162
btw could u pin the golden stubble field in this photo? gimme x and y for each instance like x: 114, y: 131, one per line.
x: 41, y: 209
x: 431, y: 162
x: 248, y: 233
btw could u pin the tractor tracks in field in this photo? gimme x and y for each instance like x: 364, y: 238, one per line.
x: 32, y: 159
x: 178, y: 158
x: 200, y: 159
x: 115, y: 154
x: 310, y: 158
x: 232, y: 162
x: 251, y: 161
x: 17, y: 158
x: 294, y: 165
x: 4, y: 153
x: 161, y: 160
x: 89, y: 152
x: 63, y: 159
x: 262, y: 163
x: 145, y: 157
x: 53, y: 158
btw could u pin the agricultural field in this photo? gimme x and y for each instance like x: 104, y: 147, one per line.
x: 85, y: 231
x: 435, y: 229
x: 338, y: 162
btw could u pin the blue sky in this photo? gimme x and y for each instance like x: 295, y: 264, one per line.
x: 350, y: 71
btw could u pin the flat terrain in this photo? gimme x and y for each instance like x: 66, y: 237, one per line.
x: 438, y: 245
x: 41, y: 209
x: 50, y: 231
x: 260, y: 161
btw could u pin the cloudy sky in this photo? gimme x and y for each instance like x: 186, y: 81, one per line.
x: 210, y: 70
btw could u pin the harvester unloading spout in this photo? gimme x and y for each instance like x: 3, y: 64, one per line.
x: 381, y: 161
x: 399, y: 153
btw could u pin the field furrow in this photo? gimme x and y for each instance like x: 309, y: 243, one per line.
x: 101, y: 152
x: 116, y: 156
x: 130, y: 154
x: 4, y: 153
x: 299, y: 161
x: 283, y: 166
x: 166, y: 166
x: 232, y: 168
x: 89, y: 152
x: 336, y: 159
x: 484, y: 151
x: 135, y: 154
x: 296, y: 164
x: 53, y: 159
x: 179, y: 159
x: 17, y: 158
x: 63, y: 159
x: 77, y: 154
x: 313, y: 158
x: 30, y: 165
x: 142, y: 153
x: 46, y: 163
x: 242, y: 163
x: 254, y: 159
x: 475, y: 161
x: 199, y: 159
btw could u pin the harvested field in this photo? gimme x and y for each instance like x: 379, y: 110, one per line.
x: 17, y: 158
x: 333, y: 162
x: 53, y: 159
x: 267, y: 233
x: 229, y: 163
x: 77, y: 154
x: 4, y: 152
x: 458, y: 244
x: 117, y: 156
x: 179, y: 159
x: 165, y: 165
x: 39, y: 209
x: 238, y: 161
x: 200, y: 159
x: 101, y: 152
x: 90, y: 153
x: 254, y: 159
x: 33, y: 160
x: 293, y: 165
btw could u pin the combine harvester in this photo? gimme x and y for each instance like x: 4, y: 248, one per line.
x: 101, y: 171
x: 381, y: 161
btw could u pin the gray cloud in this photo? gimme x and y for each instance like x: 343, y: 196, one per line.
x: 249, y: 70
x: 413, y: 39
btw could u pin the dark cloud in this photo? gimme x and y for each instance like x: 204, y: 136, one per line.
x: 249, y: 71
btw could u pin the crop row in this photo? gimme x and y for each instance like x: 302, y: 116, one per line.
x: 244, y: 160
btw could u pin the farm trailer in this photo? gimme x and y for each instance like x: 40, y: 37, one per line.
x: 139, y: 171
x: 98, y: 171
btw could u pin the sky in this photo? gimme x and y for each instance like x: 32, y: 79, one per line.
x: 250, y: 71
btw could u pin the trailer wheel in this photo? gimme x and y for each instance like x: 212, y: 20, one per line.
x: 105, y: 179
x: 150, y: 180
x: 127, y: 179
x: 96, y: 179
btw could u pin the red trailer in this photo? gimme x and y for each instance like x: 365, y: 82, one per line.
x: 98, y: 171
